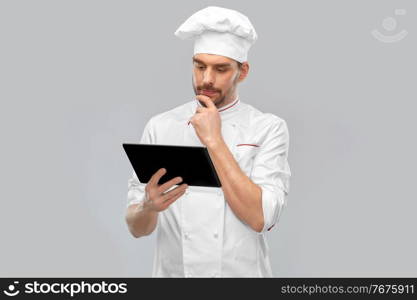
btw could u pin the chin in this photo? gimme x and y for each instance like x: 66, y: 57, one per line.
x: 215, y: 100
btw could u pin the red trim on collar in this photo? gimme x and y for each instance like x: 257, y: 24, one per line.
x: 233, y: 104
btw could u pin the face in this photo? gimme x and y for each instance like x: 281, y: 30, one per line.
x: 217, y: 77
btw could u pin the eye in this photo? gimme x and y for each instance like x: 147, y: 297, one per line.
x: 221, y: 70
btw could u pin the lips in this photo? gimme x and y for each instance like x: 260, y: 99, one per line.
x: 208, y: 93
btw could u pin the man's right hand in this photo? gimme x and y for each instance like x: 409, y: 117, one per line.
x: 156, y: 199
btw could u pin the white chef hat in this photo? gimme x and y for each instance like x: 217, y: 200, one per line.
x: 220, y: 31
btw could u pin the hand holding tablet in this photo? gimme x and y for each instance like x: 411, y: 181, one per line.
x: 159, y: 195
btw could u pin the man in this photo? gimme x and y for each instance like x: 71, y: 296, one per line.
x: 205, y: 231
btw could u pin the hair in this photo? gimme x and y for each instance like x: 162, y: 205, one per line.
x: 239, y: 65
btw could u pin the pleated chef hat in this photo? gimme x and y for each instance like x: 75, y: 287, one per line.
x: 220, y: 31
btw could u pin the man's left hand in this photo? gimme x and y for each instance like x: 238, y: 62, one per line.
x: 207, y: 122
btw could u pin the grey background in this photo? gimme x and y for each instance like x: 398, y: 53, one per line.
x: 78, y: 78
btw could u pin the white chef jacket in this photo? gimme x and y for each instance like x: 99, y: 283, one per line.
x: 199, y: 235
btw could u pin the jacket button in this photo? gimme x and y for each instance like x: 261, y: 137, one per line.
x: 187, y: 237
x: 216, y: 235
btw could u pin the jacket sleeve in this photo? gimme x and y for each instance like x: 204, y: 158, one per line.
x: 271, y: 172
x: 136, y: 189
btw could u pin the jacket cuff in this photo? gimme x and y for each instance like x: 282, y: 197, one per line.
x: 135, y: 197
x: 273, y: 202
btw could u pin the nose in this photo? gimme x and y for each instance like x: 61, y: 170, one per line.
x: 208, y: 77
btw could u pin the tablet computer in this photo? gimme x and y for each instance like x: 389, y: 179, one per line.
x: 192, y: 163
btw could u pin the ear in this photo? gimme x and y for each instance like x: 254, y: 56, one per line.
x: 244, y: 70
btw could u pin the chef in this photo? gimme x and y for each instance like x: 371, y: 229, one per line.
x: 206, y: 231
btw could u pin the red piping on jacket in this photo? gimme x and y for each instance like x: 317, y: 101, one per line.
x: 248, y: 145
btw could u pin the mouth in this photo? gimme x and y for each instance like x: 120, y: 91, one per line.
x: 208, y: 93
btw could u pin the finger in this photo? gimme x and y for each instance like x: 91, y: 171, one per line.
x: 169, y: 202
x: 155, y: 177
x: 200, y: 109
x: 167, y: 185
x: 166, y: 196
x: 174, y: 192
x: 206, y: 100
x: 194, y: 119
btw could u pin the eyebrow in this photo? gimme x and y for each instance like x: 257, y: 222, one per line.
x: 216, y: 65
